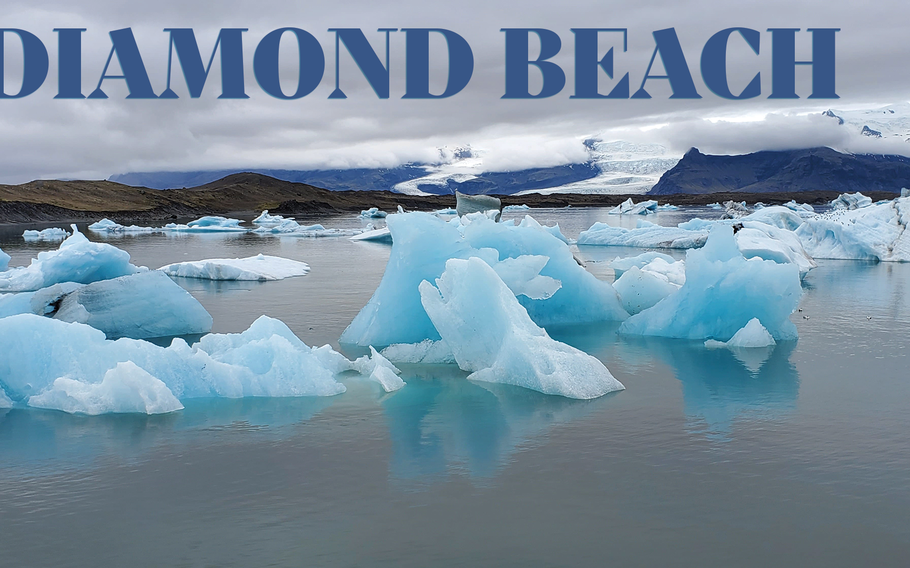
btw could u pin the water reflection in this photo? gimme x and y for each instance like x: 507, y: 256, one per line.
x: 31, y: 439
x: 442, y: 423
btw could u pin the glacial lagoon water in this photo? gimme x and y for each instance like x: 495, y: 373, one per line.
x: 798, y: 456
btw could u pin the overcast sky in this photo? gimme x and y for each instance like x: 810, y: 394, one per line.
x: 45, y: 138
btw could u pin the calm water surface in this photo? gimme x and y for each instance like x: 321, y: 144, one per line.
x: 798, y: 456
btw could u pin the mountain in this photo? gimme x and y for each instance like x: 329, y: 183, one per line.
x: 814, y: 169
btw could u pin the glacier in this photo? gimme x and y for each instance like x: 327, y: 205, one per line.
x: 493, y: 337
x: 76, y: 260
x: 265, y: 360
x: 722, y: 292
x: 421, y: 245
x: 259, y: 268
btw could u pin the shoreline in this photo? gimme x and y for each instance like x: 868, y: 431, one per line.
x: 248, y: 194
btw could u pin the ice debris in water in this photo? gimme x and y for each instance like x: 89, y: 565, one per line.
x: 722, y: 292
x: 492, y: 336
x: 422, y: 243
x: 51, y: 234
x: 628, y: 207
x: 124, y: 389
x: 265, y: 360
x: 850, y: 201
x: 77, y: 260
x: 753, y: 335
x: 379, y: 369
x: 256, y: 268
x: 139, y: 306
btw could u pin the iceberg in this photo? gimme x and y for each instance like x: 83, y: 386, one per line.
x: 515, y: 208
x: 734, y: 209
x: 382, y: 235
x: 427, y: 352
x: 266, y: 220
x: 753, y: 335
x: 51, y: 234
x: 640, y: 289
x: 259, y: 268
x: 77, y: 260
x: 722, y: 292
x: 493, y: 337
x: 373, y: 213
x: 802, y: 209
x: 758, y: 240
x: 380, y: 370
x: 422, y: 243
x: 647, y: 236
x: 291, y: 228
x: 877, y: 232
x: 265, y: 360
x: 4, y: 261
x: 667, y: 207
x: 554, y: 230
x: 628, y: 207
x: 620, y: 265
x: 850, y: 201
x: 465, y: 204
x: 210, y: 223
x: 109, y: 227
x: 124, y: 389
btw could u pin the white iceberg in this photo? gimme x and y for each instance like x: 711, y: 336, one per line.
x: 427, y: 352
x: 554, y: 230
x: 266, y: 220
x: 291, y: 228
x: 802, y: 209
x: 256, y: 268
x: 106, y: 226
x: 758, y: 240
x: 667, y: 207
x: 382, y: 235
x: 265, y: 360
x: 877, y: 232
x: 722, y: 292
x: 422, y: 243
x: 620, y: 265
x: 380, y: 370
x: 753, y: 335
x: 77, y: 260
x: 639, y: 290
x: 515, y: 208
x: 492, y: 336
x: 4, y: 260
x: 644, y: 236
x: 628, y: 207
x: 51, y: 234
x: 124, y: 389
x: 210, y: 223
x: 373, y: 213
x: 849, y: 201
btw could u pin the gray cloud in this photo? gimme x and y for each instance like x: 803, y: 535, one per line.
x: 42, y: 137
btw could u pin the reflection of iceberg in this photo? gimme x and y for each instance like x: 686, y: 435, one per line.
x: 719, y: 388
x: 441, y: 423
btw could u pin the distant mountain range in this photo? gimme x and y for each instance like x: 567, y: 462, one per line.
x: 815, y: 169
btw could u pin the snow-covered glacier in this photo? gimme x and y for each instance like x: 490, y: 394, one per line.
x: 422, y: 243
x: 492, y: 336
x: 723, y: 291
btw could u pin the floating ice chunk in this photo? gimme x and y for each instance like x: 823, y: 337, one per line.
x: 667, y: 207
x: 877, y: 232
x: 758, y: 240
x: 266, y: 220
x: 515, y: 208
x: 256, y: 268
x: 291, y: 228
x: 382, y: 235
x: 265, y: 360
x: 640, y: 290
x: 752, y: 335
x: 77, y: 260
x: 654, y: 236
x: 850, y: 201
x: 373, y: 213
x: 714, y: 206
x: 422, y: 243
x: 138, y: 306
x: 4, y: 261
x: 905, y: 192
x: 722, y: 292
x: 426, y: 352
x: 735, y: 209
x: 379, y: 369
x: 492, y: 336
x: 124, y: 389
x: 628, y: 207
x: 109, y: 227
x: 465, y: 204
x: 448, y: 211
x: 51, y: 234
x: 620, y: 265
x: 214, y: 223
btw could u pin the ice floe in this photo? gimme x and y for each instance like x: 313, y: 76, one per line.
x: 76, y: 260
x: 52, y: 234
x: 722, y: 292
x: 629, y: 207
x: 256, y: 268
x: 492, y: 336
